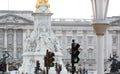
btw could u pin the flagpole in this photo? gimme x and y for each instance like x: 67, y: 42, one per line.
x: 8, y: 5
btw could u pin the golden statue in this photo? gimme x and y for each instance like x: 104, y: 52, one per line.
x: 42, y: 1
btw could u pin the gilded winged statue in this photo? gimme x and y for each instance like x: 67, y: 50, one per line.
x: 42, y: 1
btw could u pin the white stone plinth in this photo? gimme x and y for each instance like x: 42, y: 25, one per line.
x: 40, y: 40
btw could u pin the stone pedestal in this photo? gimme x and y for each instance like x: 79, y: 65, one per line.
x: 40, y: 40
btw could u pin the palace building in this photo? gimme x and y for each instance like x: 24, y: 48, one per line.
x: 13, y: 26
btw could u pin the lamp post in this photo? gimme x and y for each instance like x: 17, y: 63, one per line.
x: 100, y: 26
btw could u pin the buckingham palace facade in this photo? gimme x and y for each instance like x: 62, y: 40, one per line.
x: 13, y: 25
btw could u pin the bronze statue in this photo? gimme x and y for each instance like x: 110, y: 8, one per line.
x: 3, y: 62
x: 42, y: 1
x: 115, y: 64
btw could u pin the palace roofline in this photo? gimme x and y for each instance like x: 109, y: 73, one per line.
x: 15, y: 11
x: 62, y: 21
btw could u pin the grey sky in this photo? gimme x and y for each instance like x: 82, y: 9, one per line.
x: 62, y: 8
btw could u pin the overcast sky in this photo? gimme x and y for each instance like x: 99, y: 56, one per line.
x: 62, y: 8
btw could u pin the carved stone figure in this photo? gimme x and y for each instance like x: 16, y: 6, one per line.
x: 27, y: 40
x: 40, y: 2
x: 40, y: 39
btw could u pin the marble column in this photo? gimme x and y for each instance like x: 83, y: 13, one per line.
x: 106, y: 42
x: 15, y: 49
x: 5, y: 40
x: 118, y: 44
x: 24, y: 40
x: 85, y: 38
x: 108, y: 46
x: 5, y: 43
x: 85, y: 45
x: 100, y: 29
x: 64, y: 39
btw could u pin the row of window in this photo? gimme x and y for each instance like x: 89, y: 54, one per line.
x: 19, y: 38
x: 10, y: 37
x: 89, y: 55
x: 79, y: 39
x: 90, y: 40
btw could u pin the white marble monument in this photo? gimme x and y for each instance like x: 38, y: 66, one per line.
x: 38, y: 41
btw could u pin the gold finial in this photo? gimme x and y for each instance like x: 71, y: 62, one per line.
x: 42, y: 1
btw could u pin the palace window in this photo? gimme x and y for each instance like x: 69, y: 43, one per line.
x: 90, y: 54
x: 80, y: 39
x: 114, y: 40
x: 90, y: 40
x: 10, y: 36
x: 19, y: 55
x: 81, y: 55
x: 19, y: 37
x: 59, y: 39
x: 68, y: 53
x: 10, y: 39
x: 1, y: 37
x: 69, y: 40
